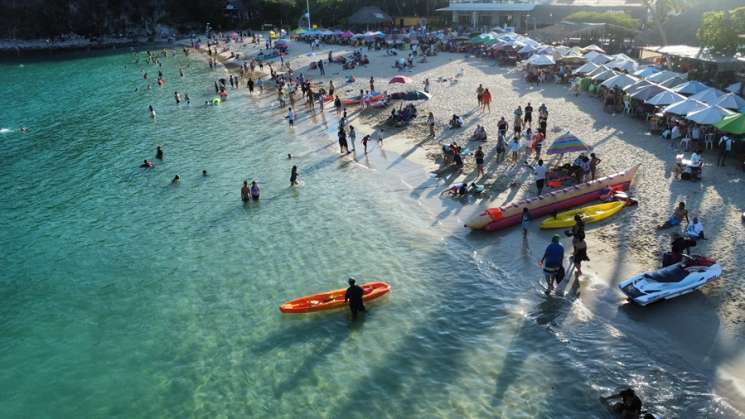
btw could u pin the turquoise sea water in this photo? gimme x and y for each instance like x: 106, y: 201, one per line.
x: 124, y: 296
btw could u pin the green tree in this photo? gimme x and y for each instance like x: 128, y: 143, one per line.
x: 660, y: 10
x: 719, y: 30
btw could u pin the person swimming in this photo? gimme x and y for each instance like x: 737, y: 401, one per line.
x: 204, y: 173
x: 147, y: 164
x: 176, y: 180
x: 245, y: 192
x: 289, y: 156
x: 255, y: 191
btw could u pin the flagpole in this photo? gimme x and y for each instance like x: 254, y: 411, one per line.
x: 307, y: 6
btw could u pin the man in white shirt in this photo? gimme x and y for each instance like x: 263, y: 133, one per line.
x: 695, y: 230
x: 725, y: 146
x: 540, y: 176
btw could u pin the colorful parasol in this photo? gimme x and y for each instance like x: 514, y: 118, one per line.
x: 733, y: 124
x: 567, y: 143
x: 400, y: 79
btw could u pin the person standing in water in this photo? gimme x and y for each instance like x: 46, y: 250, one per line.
x: 159, y: 153
x: 293, y: 176
x: 353, y: 296
x: 152, y: 111
x: 290, y: 117
x: 177, y: 97
x: 250, y: 85
x: 552, y: 261
x: 245, y: 192
x: 255, y: 191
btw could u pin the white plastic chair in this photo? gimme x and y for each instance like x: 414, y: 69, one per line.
x: 709, y: 141
x: 685, y: 142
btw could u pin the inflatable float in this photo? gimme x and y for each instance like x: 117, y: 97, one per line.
x: 355, y: 100
x: 548, y: 203
x: 331, y: 300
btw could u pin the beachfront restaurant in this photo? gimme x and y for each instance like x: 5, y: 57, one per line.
x: 525, y: 15
x: 697, y: 63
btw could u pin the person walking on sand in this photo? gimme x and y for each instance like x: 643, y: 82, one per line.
x: 725, y: 145
x: 343, y: 141
x: 486, y: 100
x: 331, y: 88
x: 594, y: 162
x: 515, y: 148
x: 365, y: 139
x: 479, y: 155
x: 528, y: 120
x: 501, y: 148
x: 372, y: 84
x: 431, y: 124
x: 540, y: 176
x: 479, y: 95
x: 352, y: 137
x: 337, y: 105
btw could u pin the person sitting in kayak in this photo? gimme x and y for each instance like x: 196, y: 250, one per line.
x: 629, y: 406
x: 353, y: 296
x: 680, y: 214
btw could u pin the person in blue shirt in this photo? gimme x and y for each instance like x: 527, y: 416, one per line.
x: 552, y: 261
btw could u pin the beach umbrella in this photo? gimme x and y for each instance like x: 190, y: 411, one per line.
x: 734, y: 87
x: 400, y: 80
x: 585, y: 68
x: 689, y: 88
x: 527, y: 49
x: 593, y: 47
x: 598, y: 70
x: 347, y: 34
x: 710, y: 95
x: 541, y: 60
x: 597, y: 58
x: 619, y: 81
x: 633, y: 88
x: 661, y: 76
x: 731, y: 101
x: 672, y: 81
x: 684, y: 107
x: 709, y: 115
x: 567, y: 143
x: 664, y: 98
x: 733, y: 124
x: 645, y: 72
x: 647, y: 92
x: 605, y: 75
x: 281, y: 42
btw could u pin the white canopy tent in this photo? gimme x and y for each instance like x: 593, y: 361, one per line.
x: 731, y: 101
x: 664, y: 98
x: 710, y: 95
x: 619, y: 81
x: 684, y: 107
x: 541, y: 60
x: 709, y: 115
x: 585, y: 68
x: 645, y: 72
x: 647, y: 92
x: 689, y: 88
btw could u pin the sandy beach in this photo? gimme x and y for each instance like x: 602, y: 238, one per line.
x: 706, y: 327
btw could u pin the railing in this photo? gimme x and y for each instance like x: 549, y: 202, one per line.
x: 492, y: 1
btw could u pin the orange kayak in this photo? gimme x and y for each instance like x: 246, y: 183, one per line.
x: 333, y: 299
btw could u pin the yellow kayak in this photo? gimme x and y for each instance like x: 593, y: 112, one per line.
x: 591, y: 214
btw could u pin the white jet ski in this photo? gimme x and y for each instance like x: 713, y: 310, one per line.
x: 680, y: 278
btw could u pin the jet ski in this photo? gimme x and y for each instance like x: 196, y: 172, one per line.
x: 680, y: 278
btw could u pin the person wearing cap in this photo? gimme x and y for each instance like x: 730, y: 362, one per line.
x: 353, y: 296
x: 552, y: 261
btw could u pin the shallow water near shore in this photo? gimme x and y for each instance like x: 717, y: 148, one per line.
x: 126, y: 296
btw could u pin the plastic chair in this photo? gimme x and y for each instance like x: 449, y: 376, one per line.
x: 709, y: 141
x: 685, y: 142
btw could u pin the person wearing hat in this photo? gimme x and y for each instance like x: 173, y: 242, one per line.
x: 552, y: 261
x: 353, y: 296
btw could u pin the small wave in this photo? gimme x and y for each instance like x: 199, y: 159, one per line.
x: 5, y: 130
